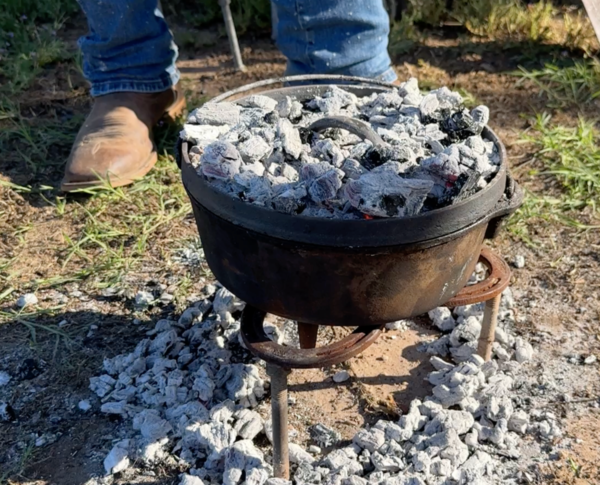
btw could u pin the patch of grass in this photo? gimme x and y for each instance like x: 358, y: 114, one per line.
x: 577, y: 84
x: 37, y: 144
x: 572, y: 155
x: 28, y: 35
x: 509, y: 21
x: 540, y: 211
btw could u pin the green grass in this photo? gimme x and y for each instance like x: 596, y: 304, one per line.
x: 577, y: 84
x: 572, y: 155
x: 29, y: 36
x: 510, y: 21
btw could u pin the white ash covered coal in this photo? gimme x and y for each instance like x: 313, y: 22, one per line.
x: 261, y: 151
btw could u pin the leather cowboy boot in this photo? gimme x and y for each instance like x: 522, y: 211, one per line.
x: 115, y: 142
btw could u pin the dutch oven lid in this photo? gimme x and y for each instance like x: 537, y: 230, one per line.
x: 440, y: 223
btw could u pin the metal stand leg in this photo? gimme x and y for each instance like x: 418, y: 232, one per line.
x: 488, y: 328
x: 233, y: 41
x: 307, y: 335
x: 279, y: 413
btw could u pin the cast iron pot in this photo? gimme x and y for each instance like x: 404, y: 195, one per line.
x: 344, y: 272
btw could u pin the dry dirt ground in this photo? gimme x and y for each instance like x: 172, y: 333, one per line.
x: 556, y: 292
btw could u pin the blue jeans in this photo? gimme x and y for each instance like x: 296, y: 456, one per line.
x: 130, y: 48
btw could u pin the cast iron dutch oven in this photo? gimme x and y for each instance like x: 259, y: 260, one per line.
x: 344, y: 272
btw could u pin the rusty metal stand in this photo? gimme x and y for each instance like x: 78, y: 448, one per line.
x: 279, y: 412
x: 281, y: 359
x: 489, y: 291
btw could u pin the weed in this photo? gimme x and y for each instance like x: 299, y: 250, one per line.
x: 577, y: 84
x: 510, y: 21
x: 572, y: 155
x: 28, y: 31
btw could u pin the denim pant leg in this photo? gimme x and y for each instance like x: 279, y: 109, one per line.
x: 347, y: 37
x: 128, y: 48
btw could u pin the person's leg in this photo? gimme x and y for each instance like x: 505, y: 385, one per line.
x: 129, y: 60
x: 348, y: 37
x: 128, y: 48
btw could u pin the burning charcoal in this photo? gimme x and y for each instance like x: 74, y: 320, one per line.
x: 386, y: 195
x: 271, y: 118
x: 388, y: 99
x: 102, y: 385
x: 352, y: 168
x: 445, y: 164
x: 430, y: 107
x: 266, y: 133
x: 476, y: 144
x: 311, y: 171
x: 256, y: 168
x: 325, y: 187
x: 359, y: 150
x: 259, y: 192
x: 290, y: 138
x: 286, y: 171
x: 284, y: 107
x: 410, y: 87
x: 324, y: 436
x: 291, y: 200
x: 253, y: 118
x: 202, y: 134
x: 459, y: 126
x: 432, y: 140
x: 333, y: 101
x: 376, y: 156
x: 220, y: 160
x: 216, y: 114
x: 254, y: 149
x: 481, y: 117
x: 327, y: 150
x: 449, y: 100
x: 259, y: 101
x: 436, y: 146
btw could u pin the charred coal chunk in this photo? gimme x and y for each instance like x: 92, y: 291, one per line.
x: 308, y: 136
x: 309, y: 105
x: 376, y: 156
x: 271, y: 118
x: 468, y: 185
x: 458, y: 126
x: 392, y: 203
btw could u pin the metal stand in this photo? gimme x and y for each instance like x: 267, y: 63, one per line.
x: 488, y: 328
x: 281, y: 359
x: 279, y: 413
x: 231, y: 35
x: 490, y: 291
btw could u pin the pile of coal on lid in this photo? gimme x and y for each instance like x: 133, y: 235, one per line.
x: 260, y: 151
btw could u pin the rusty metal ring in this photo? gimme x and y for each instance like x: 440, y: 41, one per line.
x: 496, y: 282
x: 255, y: 338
